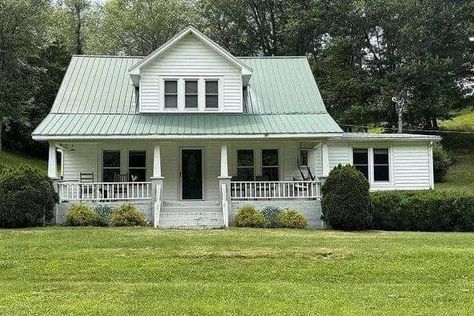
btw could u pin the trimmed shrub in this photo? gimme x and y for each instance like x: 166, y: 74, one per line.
x: 27, y: 197
x: 127, y: 215
x: 291, y: 218
x: 270, y: 214
x: 422, y: 210
x: 345, y: 201
x: 81, y: 215
x: 442, y: 160
x: 249, y: 216
x: 104, y: 214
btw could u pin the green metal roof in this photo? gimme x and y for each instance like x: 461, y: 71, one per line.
x: 96, y: 98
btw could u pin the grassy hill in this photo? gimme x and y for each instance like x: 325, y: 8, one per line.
x: 464, y: 121
x: 8, y: 158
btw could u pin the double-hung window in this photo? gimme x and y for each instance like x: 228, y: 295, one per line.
x: 212, y: 94
x: 245, y: 165
x: 304, y: 157
x: 171, y: 94
x: 137, y: 165
x: 270, y: 164
x: 381, y: 165
x: 360, y: 160
x: 110, y: 165
x: 191, y: 94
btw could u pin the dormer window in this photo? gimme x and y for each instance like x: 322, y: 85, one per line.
x: 212, y: 94
x: 171, y: 94
x: 191, y: 94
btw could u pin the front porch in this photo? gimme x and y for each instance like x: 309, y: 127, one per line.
x: 214, y: 177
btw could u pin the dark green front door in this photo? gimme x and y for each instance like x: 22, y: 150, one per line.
x: 191, y: 173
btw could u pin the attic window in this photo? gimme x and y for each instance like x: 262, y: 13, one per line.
x: 171, y: 94
x: 212, y: 94
x: 191, y: 94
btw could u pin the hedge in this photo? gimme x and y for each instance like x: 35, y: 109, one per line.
x: 422, y: 210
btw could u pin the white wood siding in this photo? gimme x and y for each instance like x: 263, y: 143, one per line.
x: 339, y: 154
x: 190, y: 58
x: 411, y: 167
x: 80, y: 157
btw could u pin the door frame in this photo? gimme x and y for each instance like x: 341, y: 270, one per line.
x: 180, y: 173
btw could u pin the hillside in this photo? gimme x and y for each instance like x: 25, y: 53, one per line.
x: 15, y: 159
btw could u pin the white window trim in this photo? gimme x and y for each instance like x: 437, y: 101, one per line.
x: 201, y: 94
x: 184, y: 94
x: 102, y: 167
x: 299, y: 156
x: 254, y: 166
x: 277, y: 166
x: 372, y: 182
x: 137, y: 168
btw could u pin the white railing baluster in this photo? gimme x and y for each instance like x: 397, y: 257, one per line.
x: 252, y: 190
x: 110, y: 191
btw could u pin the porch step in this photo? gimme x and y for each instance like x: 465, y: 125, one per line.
x: 191, y: 217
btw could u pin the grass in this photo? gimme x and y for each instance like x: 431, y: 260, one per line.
x: 14, y: 159
x: 464, y: 121
x: 237, y: 271
x: 461, y: 175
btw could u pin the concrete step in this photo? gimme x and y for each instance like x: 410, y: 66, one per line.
x: 191, y: 217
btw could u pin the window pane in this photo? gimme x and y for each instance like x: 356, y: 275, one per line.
x: 191, y: 87
x: 270, y: 173
x: 171, y: 86
x: 245, y: 157
x: 137, y: 158
x: 212, y: 87
x: 137, y: 175
x: 360, y: 156
x: 171, y: 101
x: 212, y: 101
x: 245, y: 174
x: 269, y: 157
x: 381, y: 156
x: 381, y: 173
x: 110, y: 174
x: 364, y: 170
x: 304, y: 157
x: 111, y: 158
x: 191, y: 101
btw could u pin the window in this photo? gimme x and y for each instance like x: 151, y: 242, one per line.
x: 304, y: 157
x: 110, y: 165
x: 137, y: 165
x: 360, y: 159
x: 270, y: 164
x: 245, y: 165
x: 191, y: 94
x: 171, y: 94
x: 381, y: 167
x: 212, y: 94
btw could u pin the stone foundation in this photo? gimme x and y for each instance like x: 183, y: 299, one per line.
x: 310, y: 208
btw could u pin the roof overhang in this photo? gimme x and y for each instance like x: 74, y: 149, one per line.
x: 134, y: 71
x: 372, y: 137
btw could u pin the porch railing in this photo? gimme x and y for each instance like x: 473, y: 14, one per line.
x: 104, y: 191
x: 250, y: 190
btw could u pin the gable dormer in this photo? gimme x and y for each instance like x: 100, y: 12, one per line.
x: 190, y: 73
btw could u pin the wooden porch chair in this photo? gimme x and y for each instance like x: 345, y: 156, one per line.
x: 85, y: 179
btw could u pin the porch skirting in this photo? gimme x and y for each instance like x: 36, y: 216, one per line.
x: 145, y: 207
x: 310, y: 208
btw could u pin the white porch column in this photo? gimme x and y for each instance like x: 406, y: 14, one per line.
x: 224, y: 185
x: 157, y: 161
x: 325, y: 157
x: 52, y: 162
x: 224, y: 162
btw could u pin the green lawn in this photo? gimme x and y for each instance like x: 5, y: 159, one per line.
x: 13, y: 159
x: 235, y: 271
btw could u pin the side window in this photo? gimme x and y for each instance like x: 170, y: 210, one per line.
x: 270, y: 164
x: 304, y: 157
x: 191, y: 94
x: 212, y: 94
x: 381, y: 164
x: 137, y: 165
x: 360, y: 159
x: 245, y: 165
x: 110, y: 165
x: 171, y: 94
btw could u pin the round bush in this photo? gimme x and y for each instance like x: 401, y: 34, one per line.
x: 345, y: 200
x: 104, y: 214
x: 81, y: 215
x: 270, y: 214
x: 127, y: 215
x: 27, y: 197
x: 442, y: 160
x: 249, y: 216
x: 291, y: 218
